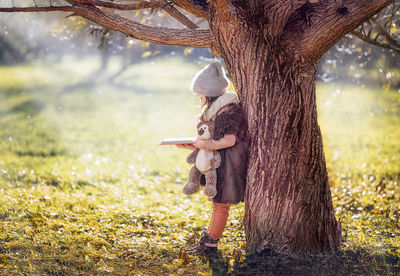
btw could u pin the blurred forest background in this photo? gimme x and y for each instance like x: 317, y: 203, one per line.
x: 85, y: 188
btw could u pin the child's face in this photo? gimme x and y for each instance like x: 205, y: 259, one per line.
x: 202, y: 98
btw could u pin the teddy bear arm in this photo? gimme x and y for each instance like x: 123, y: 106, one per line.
x: 216, y: 161
x: 192, y: 156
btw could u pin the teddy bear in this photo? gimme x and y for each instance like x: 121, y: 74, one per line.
x: 204, y: 162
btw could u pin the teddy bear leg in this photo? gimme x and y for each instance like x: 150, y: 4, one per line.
x: 210, y: 189
x: 193, y: 184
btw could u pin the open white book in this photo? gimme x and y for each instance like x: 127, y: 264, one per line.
x: 178, y: 141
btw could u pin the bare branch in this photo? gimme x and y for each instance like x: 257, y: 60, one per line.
x: 321, y: 25
x: 383, y: 32
x: 179, y: 16
x: 38, y: 9
x: 374, y: 42
x: 194, y: 7
x: 119, y: 6
x: 161, y: 35
x: 164, y: 4
x: 380, y: 30
x: 180, y: 37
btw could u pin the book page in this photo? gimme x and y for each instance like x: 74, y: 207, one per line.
x: 178, y: 141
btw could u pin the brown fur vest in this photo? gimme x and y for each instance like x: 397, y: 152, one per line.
x: 231, y: 175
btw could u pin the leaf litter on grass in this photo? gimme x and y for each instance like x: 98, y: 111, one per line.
x: 86, y: 190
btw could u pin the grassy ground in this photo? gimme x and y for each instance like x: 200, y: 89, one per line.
x: 85, y: 188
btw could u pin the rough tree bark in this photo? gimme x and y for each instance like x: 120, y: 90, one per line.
x: 271, y: 49
x: 288, y: 199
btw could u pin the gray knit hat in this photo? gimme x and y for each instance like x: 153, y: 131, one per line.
x: 211, y: 81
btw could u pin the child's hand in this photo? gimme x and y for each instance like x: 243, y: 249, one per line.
x: 200, y: 143
x: 186, y: 146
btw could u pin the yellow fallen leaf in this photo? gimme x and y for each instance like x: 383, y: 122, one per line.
x: 361, y: 236
x: 144, y: 44
x: 187, y: 51
x: 182, y: 255
x: 146, y: 54
x: 377, y: 212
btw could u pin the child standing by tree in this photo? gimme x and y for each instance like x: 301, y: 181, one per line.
x: 222, y: 107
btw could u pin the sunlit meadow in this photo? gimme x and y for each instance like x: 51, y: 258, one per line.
x: 86, y: 189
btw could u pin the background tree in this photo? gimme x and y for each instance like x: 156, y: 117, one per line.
x: 382, y: 29
x: 9, y: 52
x: 365, y: 56
x: 271, y: 49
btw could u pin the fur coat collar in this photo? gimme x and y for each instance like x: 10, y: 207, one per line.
x: 224, y: 100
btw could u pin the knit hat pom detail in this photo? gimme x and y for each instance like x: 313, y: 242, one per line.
x: 211, y: 81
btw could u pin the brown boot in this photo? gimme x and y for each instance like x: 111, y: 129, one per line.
x: 205, y: 246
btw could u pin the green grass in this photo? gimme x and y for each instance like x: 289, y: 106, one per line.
x: 85, y: 188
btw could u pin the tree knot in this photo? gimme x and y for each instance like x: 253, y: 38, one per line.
x: 203, y: 3
x: 342, y: 10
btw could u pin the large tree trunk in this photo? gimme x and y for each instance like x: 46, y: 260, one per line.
x: 288, y: 199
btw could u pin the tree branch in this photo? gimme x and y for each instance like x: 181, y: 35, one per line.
x: 38, y: 9
x: 119, y: 6
x: 374, y: 42
x: 383, y: 32
x: 192, y: 38
x: 317, y: 27
x: 163, y: 4
x: 280, y: 13
x: 270, y: 15
x: 180, y: 37
x: 198, y: 8
x: 179, y: 16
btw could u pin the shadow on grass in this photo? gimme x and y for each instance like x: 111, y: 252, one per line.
x: 28, y: 107
x: 359, y: 261
x: 38, y: 153
x: 96, y: 80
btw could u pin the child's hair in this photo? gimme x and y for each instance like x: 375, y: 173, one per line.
x: 209, y: 101
x: 206, y: 106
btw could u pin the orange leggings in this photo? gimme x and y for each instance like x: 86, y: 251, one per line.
x: 218, y: 221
